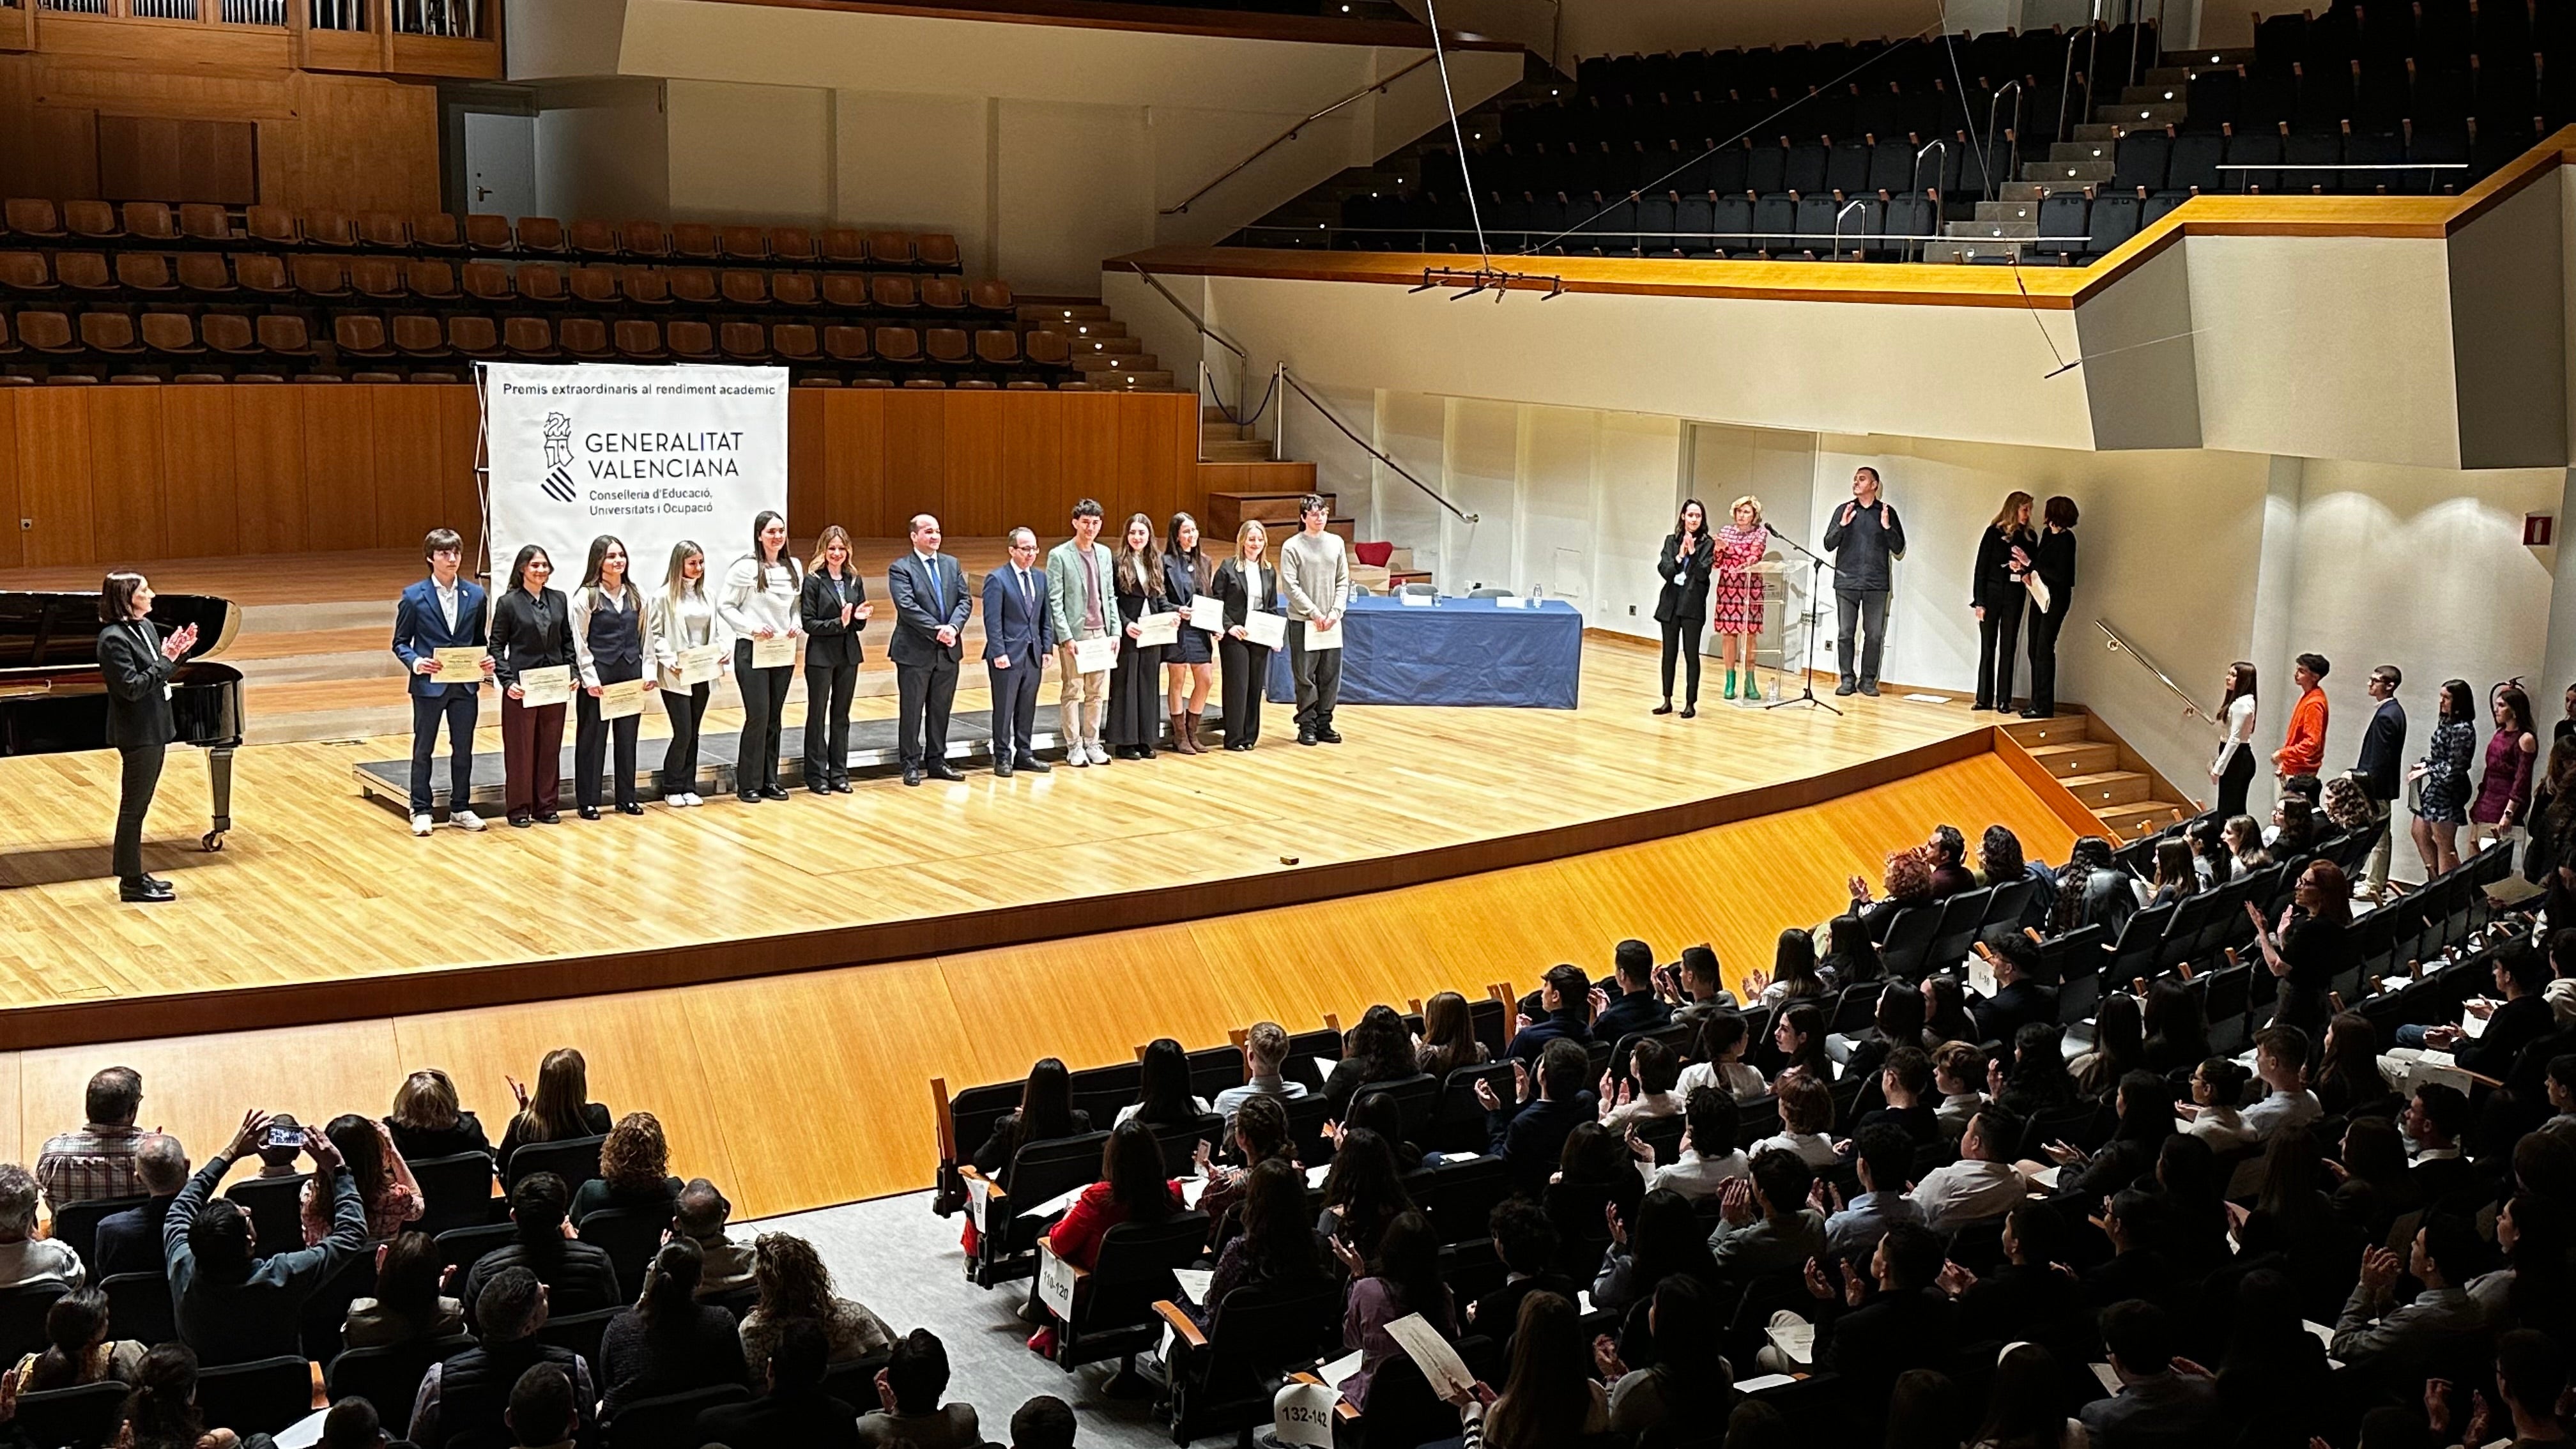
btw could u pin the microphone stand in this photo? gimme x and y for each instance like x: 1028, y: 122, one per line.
x: 1816, y: 567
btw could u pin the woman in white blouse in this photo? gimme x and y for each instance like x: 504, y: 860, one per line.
x: 1246, y: 585
x: 759, y: 601
x: 682, y: 617
x: 612, y: 643
x: 2233, y: 770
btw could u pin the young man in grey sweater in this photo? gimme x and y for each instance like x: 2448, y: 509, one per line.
x: 1315, y: 570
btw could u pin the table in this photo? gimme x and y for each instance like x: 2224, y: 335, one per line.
x: 1456, y: 652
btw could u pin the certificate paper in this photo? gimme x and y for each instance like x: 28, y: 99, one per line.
x: 1266, y: 629
x: 549, y: 685
x: 698, y: 665
x: 1095, y: 656
x: 1158, y: 629
x: 458, y: 666
x: 1207, y: 612
x: 1326, y: 638
x: 775, y: 652
x: 626, y: 697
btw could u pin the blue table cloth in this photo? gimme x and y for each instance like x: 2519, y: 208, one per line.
x: 1458, y: 652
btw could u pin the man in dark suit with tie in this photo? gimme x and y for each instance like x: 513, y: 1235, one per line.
x: 930, y: 609
x: 443, y: 611
x: 1018, y: 636
x: 2382, y: 764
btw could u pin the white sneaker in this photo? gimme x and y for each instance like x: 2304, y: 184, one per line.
x: 420, y: 825
x: 464, y: 819
x: 1099, y: 753
x: 692, y: 799
x: 1075, y: 756
x: 676, y: 800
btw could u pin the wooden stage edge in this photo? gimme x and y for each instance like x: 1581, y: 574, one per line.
x: 313, y: 1002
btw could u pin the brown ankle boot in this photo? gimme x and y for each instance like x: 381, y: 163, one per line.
x: 1198, y: 722
x: 1185, y: 735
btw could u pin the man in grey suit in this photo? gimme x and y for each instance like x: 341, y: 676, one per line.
x: 930, y: 609
x: 1018, y: 634
x: 1079, y: 606
x: 2158, y: 1406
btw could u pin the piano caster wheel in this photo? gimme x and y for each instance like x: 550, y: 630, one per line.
x: 211, y: 840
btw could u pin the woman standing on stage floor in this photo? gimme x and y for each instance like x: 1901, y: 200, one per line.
x: 1740, y: 546
x: 836, y: 609
x: 1189, y: 665
x: 137, y: 663
x: 612, y: 640
x: 1248, y: 586
x: 2054, y: 562
x: 2233, y: 770
x: 759, y: 601
x: 1134, y: 692
x: 1684, y: 563
x: 683, y: 618
x: 531, y: 629
x: 1995, y: 593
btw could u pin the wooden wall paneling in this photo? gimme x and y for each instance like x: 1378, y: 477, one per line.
x: 198, y: 482
x: 129, y: 513
x: 406, y: 424
x: 160, y: 158
x: 268, y: 459
x: 355, y: 143
x: 1091, y: 454
x: 1033, y: 464
x: 12, y: 545
x: 853, y: 466
x: 806, y: 450
x: 981, y: 498
x: 60, y: 157
x: 460, y: 440
x: 339, y: 464
x: 1149, y: 445
x: 54, y: 475
x: 916, y: 459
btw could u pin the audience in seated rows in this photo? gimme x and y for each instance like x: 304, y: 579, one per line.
x: 1718, y: 1060
x: 699, y: 1215
x: 792, y: 1407
x: 1645, y: 1094
x: 1983, y: 1184
x: 634, y: 1171
x: 26, y: 1259
x: 560, y: 1109
x: 78, y: 1348
x: 1046, y: 1112
x: 232, y: 1305
x: 408, y: 1305
x: 469, y: 1392
x: 130, y: 1241
x: 1764, y: 1223
x: 426, y: 1121
x: 1265, y: 1056
x: 1548, y: 1104
x: 97, y: 1160
x: 579, y: 1276
x: 669, y: 1342
x: 1448, y: 1036
x: 1632, y: 1005
x: 1707, y: 1157
x: 386, y: 1187
x: 795, y: 1284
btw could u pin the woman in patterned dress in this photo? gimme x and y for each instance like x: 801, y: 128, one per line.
x: 2442, y: 802
x: 1740, y: 546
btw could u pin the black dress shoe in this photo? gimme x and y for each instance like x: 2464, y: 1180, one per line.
x: 823, y: 789
x: 549, y: 817
x: 630, y: 808
x: 1869, y: 687
x: 772, y: 792
x: 590, y: 812
x: 1305, y: 737
x: 1144, y: 752
x: 912, y: 774
x: 1033, y: 765
x: 748, y: 797
x: 1690, y: 711
x: 1002, y: 770
x: 1328, y: 736
x: 522, y: 822
x: 942, y: 770
x: 145, y: 892
x: 2038, y: 714
x: 841, y: 785
x: 1665, y: 708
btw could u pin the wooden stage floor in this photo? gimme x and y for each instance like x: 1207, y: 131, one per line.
x: 326, y: 951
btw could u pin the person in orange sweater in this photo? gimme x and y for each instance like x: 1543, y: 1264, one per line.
x: 2304, y: 750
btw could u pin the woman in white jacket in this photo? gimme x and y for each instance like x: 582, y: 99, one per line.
x: 758, y: 601
x: 683, y: 617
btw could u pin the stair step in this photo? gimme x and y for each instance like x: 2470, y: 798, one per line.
x: 2009, y: 211
x: 2132, y: 822
x: 1065, y: 312
x: 2099, y: 130
x: 2031, y: 190
x: 2066, y: 171
x: 2156, y: 93
x: 2063, y: 729
x: 1108, y: 346
x: 2081, y: 757
x: 1234, y: 450
x: 2131, y: 113
x: 2110, y: 787
x: 1990, y: 230
x: 2082, y: 151
x: 2164, y: 74
x: 1150, y: 380
x: 1968, y: 251
x: 1109, y: 362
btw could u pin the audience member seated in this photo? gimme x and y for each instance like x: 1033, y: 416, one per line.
x: 407, y: 1306
x: 700, y: 1216
x: 1594, y: 1168
x: 1806, y: 1121
x: 1687, y: 1386
x: 2025, y: 1406
x: 130, y: 1241
x: 1364, y: 1192
x: 1046, y: 1113
x: 2274, y: 1369
x: 1550, y: 1398
x: 1983, y: 1184
x: 1764, y: 1224
x: 1798, y: 1043
x: 97, y: 1160
x: 1402, y: 1278
x: 353, y: 1423
x: 1896, y: 1020
x: 232, y: 1305
x: 77, y: 1348
x: 1907, y: 879
x: 161, y: 1413
x: 1905, y: 1089
x: 1258, y: 1133
x: 26, y: 1259
x: 1163, y: 1096
x: 559, y: 1110
x: 469, y: 1392
x: 669, y: 1342
x: 1265, y: 1052
x: 909, y: 1389
x: 1718, y: 1060
x: 2023, y: 997
x: 1044, y: 1422
x: 1379, y: 1049
x: 426, y: 1121
x: 2434, y: 1120
x: 1278, y: 1244
x: 1381, y: 1113
x: 1884, y: 1318
x: 1526, y: 1242
x: 2217, y: 1090
x: 2347, y: 1081
x: 1959, y: 1075
x: 543, y: 1411
x: 2177, y: 1031
x: 2534, y: 1289
x: 1698, y: 990
x: 2037, y: 1080
x: 2031, y: 1295
x: 1530, y: 1136
x: 2145, y: 1119
x: 1884, y: 1162
x: 2389, y: 1341
x: 385, y: 1184
x: 2133, y: 1221
x: 1851, y: 957
x: 1660, y: 1238
x: 1448, y: 1037
x: 1794, y: 974
x: 579, y: 1276
x: 1132, y: 1188
x: 792, y: 1408
x: 1708, y: 1156
x: 1633, y: 1007
x: 1946, y: 852
x: 634, y: 1171
x: 2281, y: 1060
x: 1565, y: 995
x: 2531, y: 1380
x: 795, y: 1284
x: 2092, y: 890
x: 2161, y: 1404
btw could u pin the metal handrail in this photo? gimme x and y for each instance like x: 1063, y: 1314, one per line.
x: 1986, y: 150
x: 1290, y: 134
x: 2121, y: 644
x: 1184, y: 309
x: 1279, y: 435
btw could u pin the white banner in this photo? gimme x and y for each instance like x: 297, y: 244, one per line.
x: 652, y: 455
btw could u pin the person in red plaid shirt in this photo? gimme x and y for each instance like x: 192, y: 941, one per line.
x: 98, y: 1160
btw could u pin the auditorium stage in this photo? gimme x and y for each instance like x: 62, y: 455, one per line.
x: 973, y: 926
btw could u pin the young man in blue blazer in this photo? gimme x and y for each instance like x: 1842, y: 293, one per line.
x: 1018, y: 636
x: 443, y: 611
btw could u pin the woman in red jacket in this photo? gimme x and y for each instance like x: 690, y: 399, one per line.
x: 1132, y: 1189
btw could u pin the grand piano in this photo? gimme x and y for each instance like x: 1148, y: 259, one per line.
x: 53, y: 696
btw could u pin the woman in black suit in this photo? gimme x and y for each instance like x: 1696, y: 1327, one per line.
x: 1246, y: 584
x: 611, y: 640
x: 1684, y: 600
x: 137, y: 663
x: 1135, y: 686
x: 1995, y: 593
x: 2054, y: 561
x: 531, y: 629
x: 834, y: 604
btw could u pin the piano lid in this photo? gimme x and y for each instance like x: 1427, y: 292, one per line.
x: 47, y: 632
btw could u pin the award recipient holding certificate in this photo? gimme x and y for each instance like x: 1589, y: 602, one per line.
x: 441, y: 618
x: 532, y: 659
x: 931, y: 606
x: 1189, y: 665
x: 611, y: 640
x: 758, y: 606
x: 1249, y: 588
x: 836, y: 609
x: 1135, y: 692
x: 691, y: 645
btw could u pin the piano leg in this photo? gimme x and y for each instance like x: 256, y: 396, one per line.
x: 219, y: 770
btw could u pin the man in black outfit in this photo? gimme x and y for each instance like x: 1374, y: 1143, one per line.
x: 1565, y: 996
x: 794, y: 1410
x: 1019, y: 634
x: 1530, y: 1137
x: 2157, y: 1407
x: 477, y: 1391
x: 2434, y: 1120
x: 1526, y: 1242
x: 2021, y: 996
x: 1888, y: 1316
x: 1635, y: 1008
x: 579, y: 1276
x: 930, y: 609
x: 130, y: 1241
x: 2382, y: 763
x: 136, y: 664
x: 1864, y: 536
x: 2523, y: 1018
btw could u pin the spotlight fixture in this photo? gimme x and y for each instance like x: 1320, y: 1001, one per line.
x: 1472, y: 280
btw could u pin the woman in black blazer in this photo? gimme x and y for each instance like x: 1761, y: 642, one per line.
x: 834, y: 605
x: 2054, y: 561
x: 1684, y: 600
x: 1135, y: 685
x: 1245, y: 583
x: 1996, y: 592
x: 137, y: 663
x: 531, y: 629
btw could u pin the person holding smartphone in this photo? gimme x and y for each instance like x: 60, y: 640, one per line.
x: 531, y: 629
x: 137, y: 663
x: 834, y: 607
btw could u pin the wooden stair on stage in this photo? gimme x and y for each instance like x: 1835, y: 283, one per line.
x: 1243, y: 482
x: 2121, y: 790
